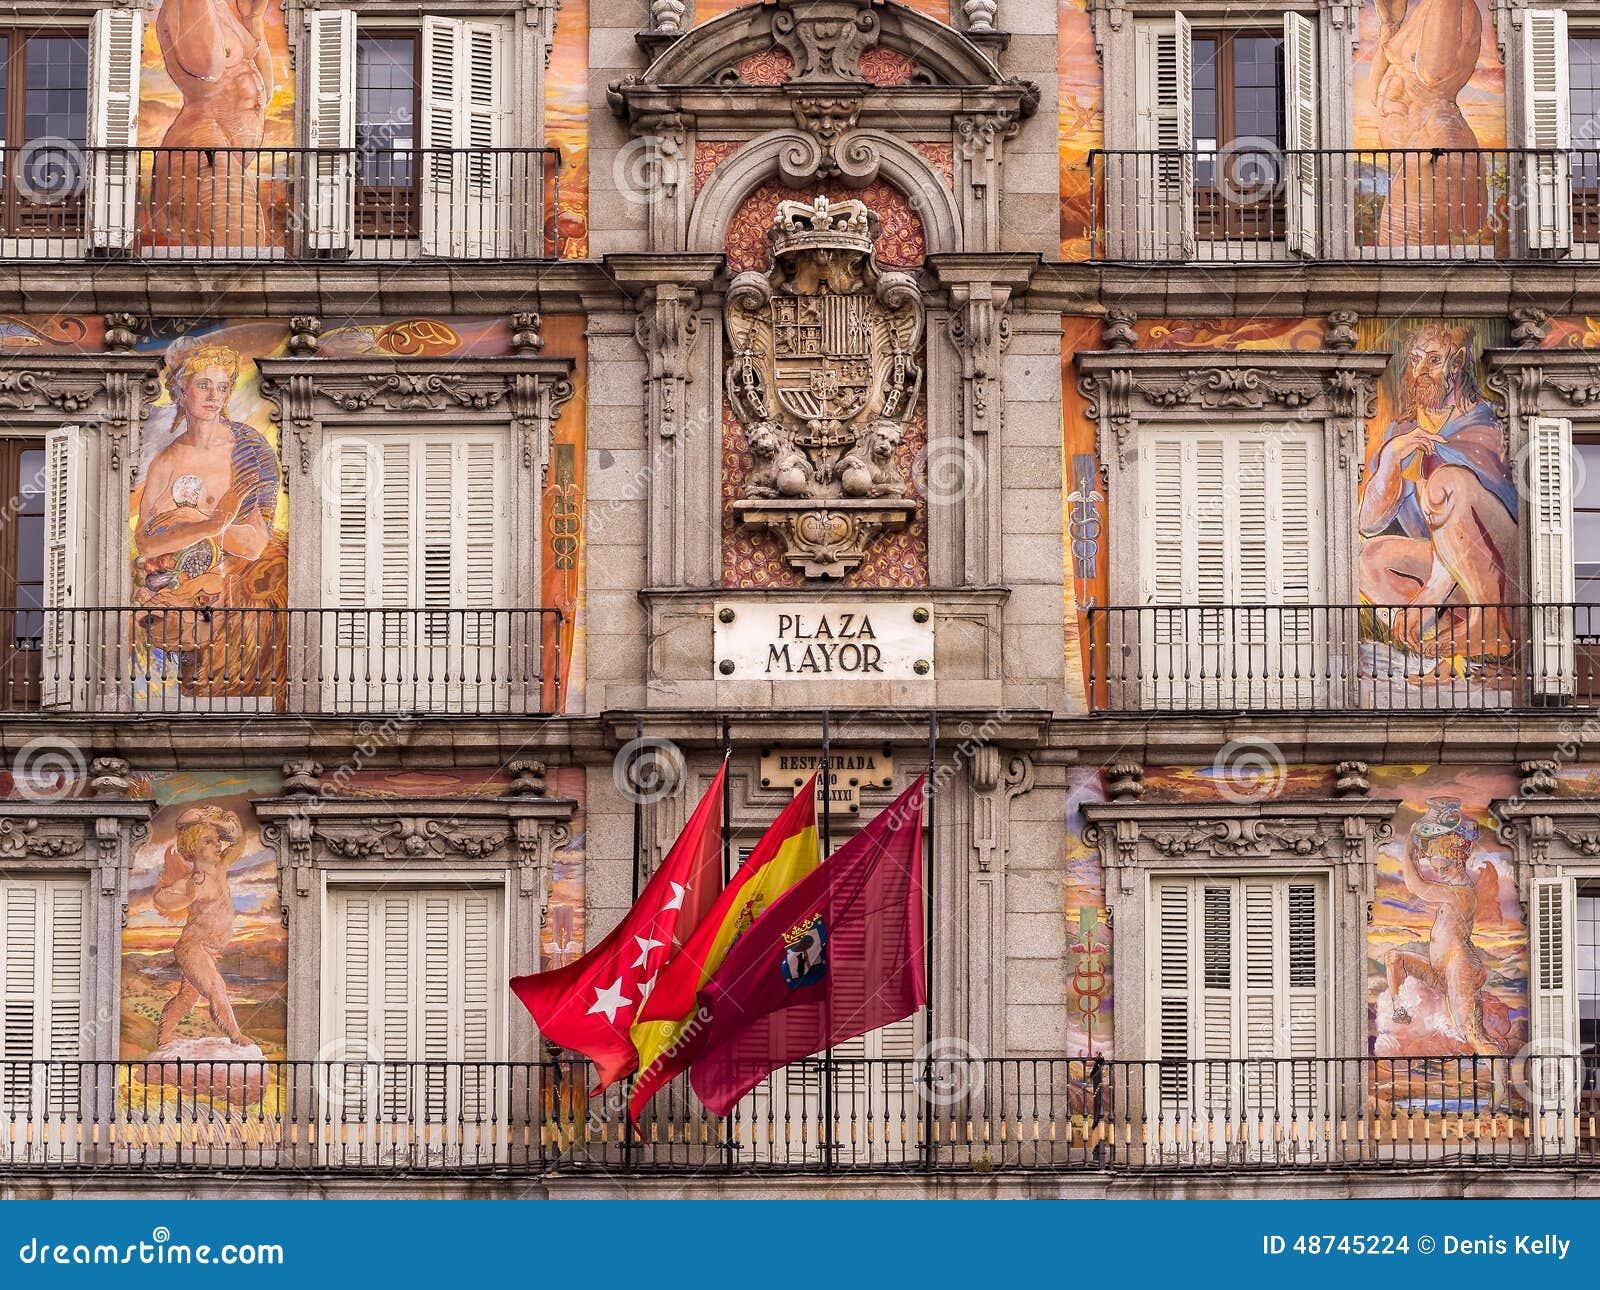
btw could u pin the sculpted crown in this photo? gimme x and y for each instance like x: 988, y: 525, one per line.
x: 822, y: 225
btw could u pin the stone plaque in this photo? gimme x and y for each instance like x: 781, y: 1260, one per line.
x: 852, y: 770
x: 823, y: 641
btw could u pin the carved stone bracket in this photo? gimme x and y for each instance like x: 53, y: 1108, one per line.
x: 666, y: 329
x: 996, y: 777
x: 980, y: 329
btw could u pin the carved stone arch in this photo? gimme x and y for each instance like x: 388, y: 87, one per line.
x: 779, y: 154
x: 945, y: 55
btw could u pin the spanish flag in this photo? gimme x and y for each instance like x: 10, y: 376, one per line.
x: 664, y: 1029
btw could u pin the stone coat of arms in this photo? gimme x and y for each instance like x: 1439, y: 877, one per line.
x: 824, y: 373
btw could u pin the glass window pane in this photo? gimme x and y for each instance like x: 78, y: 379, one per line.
x: 56, y: 88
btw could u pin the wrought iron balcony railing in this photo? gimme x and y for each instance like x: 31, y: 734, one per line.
x: 1254, y: 202
x: 59, y: 201
x: 295, y: 661
x: 1362, y: 657
x: 942, y: 1115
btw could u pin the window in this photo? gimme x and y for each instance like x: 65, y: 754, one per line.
x: 44, y: 103
x: 416, y: 984
x: 388, y: 103
x: 1232, y: 557
x: 1583, y: 53
x: 1586, y: 521
x: 1587, y: 944
x: 1231, y: 115
x: 1238, y: 970
x: 22, y: 486
x: 418, y: 523
x: 1238, y: 133
x: 43, y: 954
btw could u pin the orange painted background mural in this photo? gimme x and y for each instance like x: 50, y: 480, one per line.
x: 1081, y: 125
x: 566, y: 126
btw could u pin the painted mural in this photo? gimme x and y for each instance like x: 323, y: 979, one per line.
x: 1448, y: 948
x: 204, y: 951
x: 566, y: 127
x: 1088, y: 928
x: 208, y: 522
x: 216, y: 76
x: 1080, y: 125
x: 1428, y: 76
x: 1437, y: 512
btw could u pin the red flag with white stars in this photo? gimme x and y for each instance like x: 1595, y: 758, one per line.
x: 589, y: 1005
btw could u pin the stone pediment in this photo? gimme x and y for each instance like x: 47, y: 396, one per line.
x: 785, y: 48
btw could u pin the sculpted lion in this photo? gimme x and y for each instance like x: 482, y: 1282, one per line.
x: 780, y: 470
x: 872, y: 467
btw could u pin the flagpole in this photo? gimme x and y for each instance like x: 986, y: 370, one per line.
x: 727, y: 805
x: 628, y: 1143
x: 929, y: 869
x: 825, y: 1140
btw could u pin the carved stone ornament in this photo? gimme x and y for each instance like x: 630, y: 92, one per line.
x: 825, y: 46
x: 823, y: 375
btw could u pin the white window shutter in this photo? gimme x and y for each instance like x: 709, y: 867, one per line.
x: 1301, y: 134
x: 116, y: 49
x: 1554, y: 1072
x: 1165, y: 98
x: 331, y: 129
x: 44, y: 965
x: 62, y: 662
x: 1173, y: 1017
x: 1550, y: 457
x: 1547, y: 129
x: 443, y: 175
x: 485, y: 96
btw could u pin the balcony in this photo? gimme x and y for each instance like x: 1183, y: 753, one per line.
x: 368, y: 662
x: 1373, y: 205
x: 940, y: 1116
x: 1361, y: 657
x: 62, y: 202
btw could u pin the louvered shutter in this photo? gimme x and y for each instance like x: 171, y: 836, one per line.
x: 1554, y: 589
x: 442, y: 132
x: 1547, y: 129
x: 1554, y: 1075
x: 62, y: 664
x: 1165, y: 136
x: 1301, y: 136
x: 331, y: 129
x: 116, y: 48
x: 484, y: 114
x: 45, y: 961
x: 1174, y: 1012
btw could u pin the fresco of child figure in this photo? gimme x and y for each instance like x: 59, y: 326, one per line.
x: 203, y: 537
x: 194, y: 886
x: 1439, y: 513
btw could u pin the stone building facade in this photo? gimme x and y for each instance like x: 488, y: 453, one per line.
x: 432, y: 438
